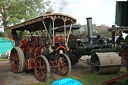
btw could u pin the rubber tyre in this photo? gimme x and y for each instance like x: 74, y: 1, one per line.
x: 21, y: 60
x: 68, y: 64
x: 43, y: 58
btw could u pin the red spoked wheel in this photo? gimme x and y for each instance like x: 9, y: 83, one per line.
x: 124, y: 56
x: 64, y: 64
x: 17, y: 60
x: 42, y: 68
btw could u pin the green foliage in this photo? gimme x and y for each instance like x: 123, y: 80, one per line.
x: 76, y: 32
x: 97, y: 30
x: 1, y: 34
x: 15, y: 11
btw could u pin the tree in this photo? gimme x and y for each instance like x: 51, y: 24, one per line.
x: 16, y: 11
x: 1, y: 34
x: 98, y: 30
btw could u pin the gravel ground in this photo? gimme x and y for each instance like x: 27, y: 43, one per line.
x: 7, y: 77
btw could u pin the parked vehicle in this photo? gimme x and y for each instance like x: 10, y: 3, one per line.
x: 104, y: 59
x: 46, y: 42
x: 36, y: 47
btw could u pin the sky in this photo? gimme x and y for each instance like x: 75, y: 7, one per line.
x: 101, y: 11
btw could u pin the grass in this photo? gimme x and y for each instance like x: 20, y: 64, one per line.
x: 3, y: 59
x: 90, y: 79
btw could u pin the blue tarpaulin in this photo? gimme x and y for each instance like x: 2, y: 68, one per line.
x: 66, y: 81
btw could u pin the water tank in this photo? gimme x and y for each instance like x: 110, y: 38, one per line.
x: 121, y: 13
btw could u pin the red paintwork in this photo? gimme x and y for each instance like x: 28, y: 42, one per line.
x: 71, y: 37
x: 36, y: 38
x: 60, y: 47
x: 62, y: 66
x: 59, y: 39
x: 14, y: 61
x: 116, y: 78
x: 42, y: 73
x: 29, y: 64
x: 26, y: 64
x: 22, y: 43
x: 33, y: 49
x: 32, y: 64
x: 36, y: 50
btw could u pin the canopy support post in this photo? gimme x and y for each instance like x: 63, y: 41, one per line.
x: 69, y: 33
x: 46, y: 30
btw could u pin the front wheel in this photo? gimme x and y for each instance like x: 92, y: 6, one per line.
x: 42, y: 68
x: 64, y: 65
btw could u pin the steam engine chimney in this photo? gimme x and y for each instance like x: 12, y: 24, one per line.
x: 89, y: 26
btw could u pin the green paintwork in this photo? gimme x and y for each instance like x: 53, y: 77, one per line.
x: 126, y: 41
x: 93, y: 53
x: 79, y: 51
x: 75, y: 49
x: 121, y: 13
x: 72, y: 44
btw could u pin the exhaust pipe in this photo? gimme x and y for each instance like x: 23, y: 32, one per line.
x: 89, y: 26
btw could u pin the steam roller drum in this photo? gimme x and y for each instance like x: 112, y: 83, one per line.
x: 106, y: 63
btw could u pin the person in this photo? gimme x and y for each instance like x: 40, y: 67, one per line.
x: 14, y: 35
x: 120, y: 39
x: 8, y: 54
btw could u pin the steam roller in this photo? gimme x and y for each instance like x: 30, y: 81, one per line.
x: 103, y: 62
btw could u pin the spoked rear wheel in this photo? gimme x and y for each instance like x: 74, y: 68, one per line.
x: 124, y: 56
x: 42, y: 68
x: 17, y: 60
x: 64, y: 65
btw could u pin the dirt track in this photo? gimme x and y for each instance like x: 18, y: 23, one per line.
x: 7, y: 77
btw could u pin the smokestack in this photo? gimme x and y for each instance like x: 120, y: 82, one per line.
x: 89, y: 26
